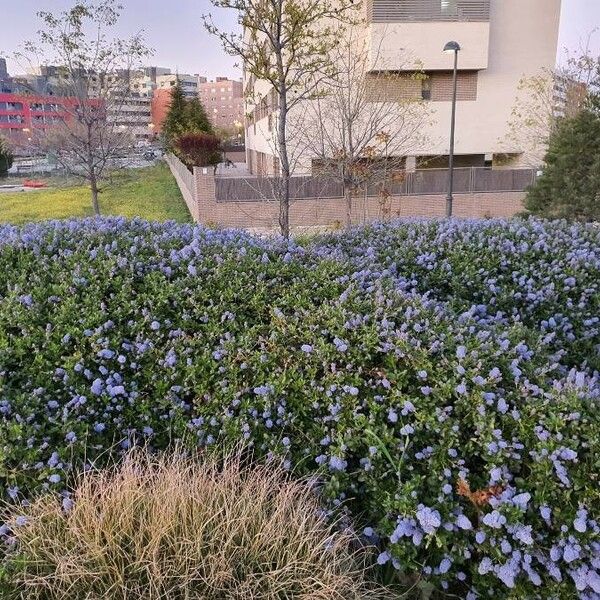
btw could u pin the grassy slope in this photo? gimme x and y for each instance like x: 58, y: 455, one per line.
x: 151, y: 193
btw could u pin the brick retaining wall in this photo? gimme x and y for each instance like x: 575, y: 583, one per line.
x: 199, y: 191
x: 185, y: 181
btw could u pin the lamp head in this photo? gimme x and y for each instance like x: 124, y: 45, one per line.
x: 451, y: 47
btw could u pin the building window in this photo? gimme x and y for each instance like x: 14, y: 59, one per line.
x: 448, y: 7
x: 442, y: 86
x: 12, y: 119
x: 426, y: 88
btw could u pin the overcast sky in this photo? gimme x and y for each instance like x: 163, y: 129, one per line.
x: 174, y: 29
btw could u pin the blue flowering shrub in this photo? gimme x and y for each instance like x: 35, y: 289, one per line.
x: 545, y: 276
x: 458, y: 431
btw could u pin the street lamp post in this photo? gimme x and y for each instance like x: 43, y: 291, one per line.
x: 452, y: 48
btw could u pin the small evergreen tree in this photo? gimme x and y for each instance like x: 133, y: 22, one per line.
x: 184, y: 116
x: 175, y: 121
x: 197, y: 120
x: 570, y: 184
x: 6, y: 157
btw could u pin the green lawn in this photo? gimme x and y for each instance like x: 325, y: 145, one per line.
x: 151, y: 193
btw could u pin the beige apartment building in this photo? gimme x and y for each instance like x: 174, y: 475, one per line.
x: 189, y: 83
x: 501, y: 42
x: 134, y: 115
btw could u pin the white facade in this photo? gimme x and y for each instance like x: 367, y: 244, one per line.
x: 501, y: 42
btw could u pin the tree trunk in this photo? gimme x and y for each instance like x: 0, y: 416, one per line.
x: 92, y: 171
x: 284, y: 188
x: 348, y: 197
x: 95, y: 202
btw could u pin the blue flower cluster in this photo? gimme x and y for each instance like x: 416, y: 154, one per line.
x: 435, y: 379
x: 544, y: 276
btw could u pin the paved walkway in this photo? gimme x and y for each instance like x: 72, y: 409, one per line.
x: 233, y: 170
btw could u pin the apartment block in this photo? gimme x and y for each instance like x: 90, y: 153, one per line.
x: 223, y: 100
x: 189, y: 83
x: 134, y: 114
x: 568, y: 95
x: 22, y: 115
x: 501, y: 42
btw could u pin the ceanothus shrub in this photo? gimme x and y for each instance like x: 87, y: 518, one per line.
x: 464, y: 446
x: 543, y: 274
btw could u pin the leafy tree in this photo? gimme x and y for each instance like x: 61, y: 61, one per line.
x: 175, y: 121
x: 6, y: 157
x: 199, y: 149
x: 570, y: 184
x: 184, y: 116
x: 93, y: 72
x: 285, y: 44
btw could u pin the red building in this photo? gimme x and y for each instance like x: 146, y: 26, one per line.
x: 161, y: 101
x: 22, y: 115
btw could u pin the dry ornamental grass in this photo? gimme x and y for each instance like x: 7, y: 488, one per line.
x: 173, y: 528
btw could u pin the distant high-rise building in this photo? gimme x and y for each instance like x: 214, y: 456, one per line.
x: 22, y: 116
x: 154, y: 72
x: 134, y: 114
x: 569, y: 95
x: 223, y: 100
x: 189, y: 83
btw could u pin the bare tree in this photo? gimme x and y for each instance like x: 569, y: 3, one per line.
x: 285, y: 43
x: 547, y: 97
x: 93, y: 71
x: 364, y: 121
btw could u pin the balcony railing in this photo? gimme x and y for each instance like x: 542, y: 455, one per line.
x: 393, y: 11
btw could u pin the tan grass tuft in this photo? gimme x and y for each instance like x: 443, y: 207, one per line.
x: 181, y: 529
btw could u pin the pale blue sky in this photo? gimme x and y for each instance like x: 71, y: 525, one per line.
x: 173, y: 28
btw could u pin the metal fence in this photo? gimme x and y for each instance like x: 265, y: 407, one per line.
x: 429, y: 182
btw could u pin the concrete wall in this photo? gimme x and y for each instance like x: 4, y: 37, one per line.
x: 199, y: 192
x: 186, y: 182
x: 424, y: 41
